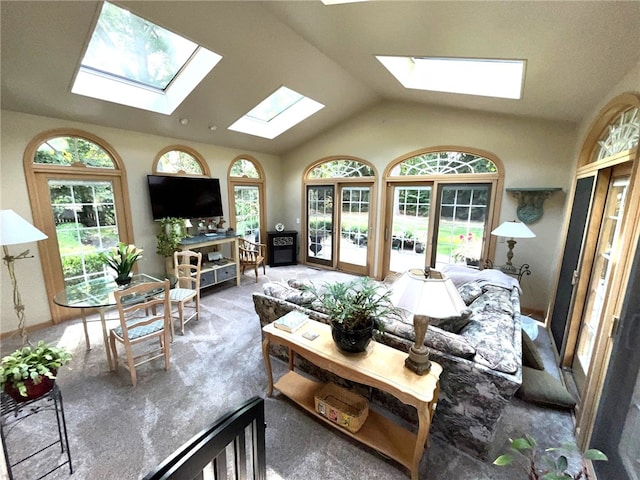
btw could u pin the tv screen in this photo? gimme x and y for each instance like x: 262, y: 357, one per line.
x: 184, y: 197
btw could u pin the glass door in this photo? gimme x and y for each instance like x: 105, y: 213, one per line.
x: 353, y: 247
x: 84, y: 215
x: 409, y: 221
x: 461, y: 225
x: 617, y: 427
x: 247, y: 211
x: 601, y: 274
x: 320, y: 211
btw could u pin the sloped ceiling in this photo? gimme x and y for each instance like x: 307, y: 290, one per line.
x: 575, y: 51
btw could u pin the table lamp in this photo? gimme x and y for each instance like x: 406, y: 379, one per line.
x: 15, y: 230
x: 425, y: 294
x: 512, y: 230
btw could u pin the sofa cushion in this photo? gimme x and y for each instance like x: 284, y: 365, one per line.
x: 494, y: 298
x: 530, y: 354
x: 453, y: 324
x: 436, y: 338
x: 469, y: 292
x: 491, y: 333
x: 543, y: 389
x: 290, y: 294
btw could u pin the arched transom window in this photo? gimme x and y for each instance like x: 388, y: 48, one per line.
x: 437, y: 163
x: 179, y: 159
x: 620, y: 135
x: 341, y: 169
x: 72, y: 151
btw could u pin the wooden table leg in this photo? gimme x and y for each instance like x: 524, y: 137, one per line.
x: 267, y: 363
x: 424, y: 424
x: 84, y: 325
x: 291, y: 359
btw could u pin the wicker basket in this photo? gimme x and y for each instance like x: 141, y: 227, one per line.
x: 341, y: 406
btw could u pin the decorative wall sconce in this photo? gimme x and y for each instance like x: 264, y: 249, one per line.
x: 530, y: 202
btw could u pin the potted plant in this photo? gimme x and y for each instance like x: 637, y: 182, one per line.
x: 122, y: 259
x: 355, y: 308
x: 172, y: 232
x: 555, y: 459
x: 30, y: 372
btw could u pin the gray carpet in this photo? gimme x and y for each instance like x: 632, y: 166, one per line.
x: 120, y: 432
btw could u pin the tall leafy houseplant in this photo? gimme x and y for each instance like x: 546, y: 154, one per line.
x: 172, y: 231
x: 555, y: 459
x: 355, y: 308
x: 29, y: 372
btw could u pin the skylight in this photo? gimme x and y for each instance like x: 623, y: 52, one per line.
x: 472, y: 76
x: 134, y: 62
x: 276, y: 114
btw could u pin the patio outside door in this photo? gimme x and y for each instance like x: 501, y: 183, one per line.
x: 346, y: 247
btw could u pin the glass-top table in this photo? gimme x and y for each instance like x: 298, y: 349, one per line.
x: 98, y: 293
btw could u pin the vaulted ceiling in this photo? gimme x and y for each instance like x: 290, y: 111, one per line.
x: 575, y: 52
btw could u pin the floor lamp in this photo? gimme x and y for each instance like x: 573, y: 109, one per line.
x: 513, y: 230
x: 425, y: 294
x: 15, y: 230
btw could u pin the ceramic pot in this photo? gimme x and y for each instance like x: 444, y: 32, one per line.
x: 34, y: 390
x: 124, y: 280
x: 351, y: 341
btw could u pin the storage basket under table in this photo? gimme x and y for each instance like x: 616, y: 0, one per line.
x: 342, y: 406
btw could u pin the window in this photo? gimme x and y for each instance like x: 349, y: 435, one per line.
x: 76, y: 182
x: 246, y: 201
x: 134, y: 62
x: 620, y: 135
x: 488, y: 77
x: 339, y: 211
x: 182, y: 160
x: 276, y: 114
x: 438, y: 209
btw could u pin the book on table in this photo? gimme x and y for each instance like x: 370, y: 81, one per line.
x: 292, y: 321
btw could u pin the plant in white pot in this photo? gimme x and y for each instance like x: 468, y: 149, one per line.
x: 30, y: 372
x: 355, y: 308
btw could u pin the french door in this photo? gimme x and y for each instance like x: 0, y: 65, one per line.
x: 422, y: 232
x: 601, y: 275
x: 82, y: 217
x: 617, y: 425
x: 347, y: 245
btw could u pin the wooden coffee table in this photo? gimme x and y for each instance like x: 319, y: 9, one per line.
x: 381, y: 367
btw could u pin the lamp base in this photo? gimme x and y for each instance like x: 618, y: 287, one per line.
x: 418, y: 362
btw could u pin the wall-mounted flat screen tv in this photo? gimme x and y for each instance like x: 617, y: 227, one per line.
x: 184, y: 197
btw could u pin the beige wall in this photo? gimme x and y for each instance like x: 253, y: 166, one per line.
x: 138, y: 152
x: 534, y: 153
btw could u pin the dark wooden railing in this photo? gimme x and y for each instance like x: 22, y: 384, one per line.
x: 242, y: 431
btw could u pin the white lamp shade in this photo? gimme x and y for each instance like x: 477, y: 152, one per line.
x: 14, y: 229
x: 513, y: 230
x: 432, y: 297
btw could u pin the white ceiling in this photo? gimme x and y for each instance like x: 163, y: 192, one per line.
x: 575, y: 51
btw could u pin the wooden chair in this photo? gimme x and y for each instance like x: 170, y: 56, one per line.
x: 186, y: 295
x: 252, y: 255
x: 137, y: 325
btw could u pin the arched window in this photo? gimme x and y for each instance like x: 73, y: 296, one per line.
x: 438, y: 208
x: 76, y: 185
x: 619, y: 136
x: 246, y: 198
x: 340, y: 214
x: 180, y: 160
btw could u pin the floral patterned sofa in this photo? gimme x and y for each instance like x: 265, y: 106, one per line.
x: 481, y: 355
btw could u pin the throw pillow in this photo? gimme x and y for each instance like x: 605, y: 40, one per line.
x: 543, y: 389
x: 452, y: 324
x: 469, y: 292
x: 530, y: 354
